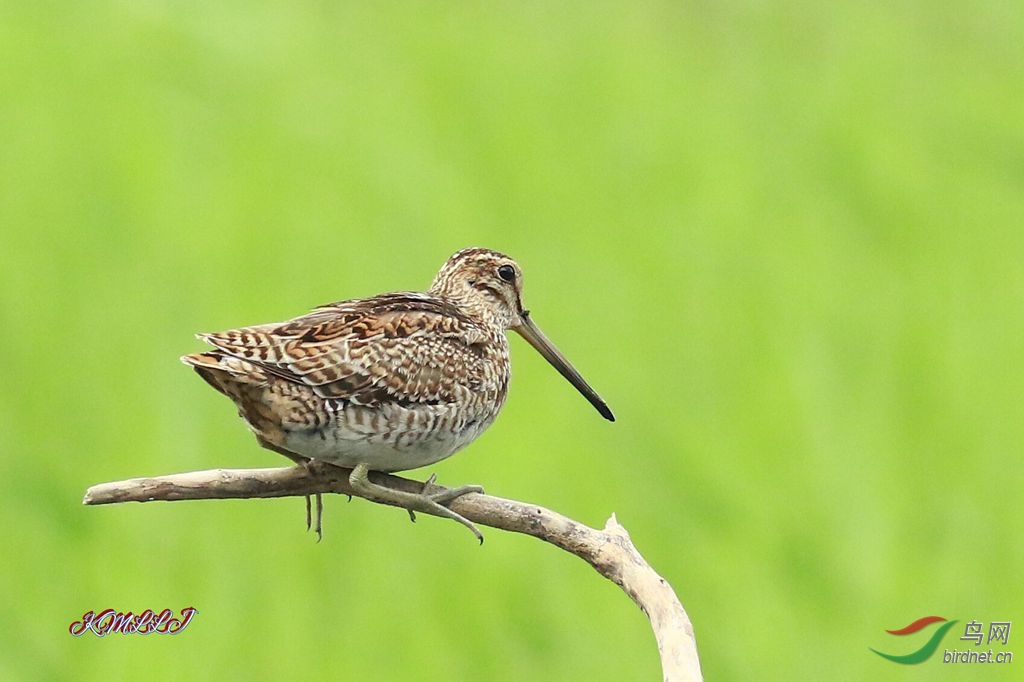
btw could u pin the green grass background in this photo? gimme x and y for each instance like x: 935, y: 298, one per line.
x: 785, y: 241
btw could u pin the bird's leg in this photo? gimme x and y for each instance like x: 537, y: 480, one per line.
x: 422, y: 501
x: 319, y: 516
x: 311, y: 468
x: 318, y: 529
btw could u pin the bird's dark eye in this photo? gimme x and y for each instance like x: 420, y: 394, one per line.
x: 507, y: 273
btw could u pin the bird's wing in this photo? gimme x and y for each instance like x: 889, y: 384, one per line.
x: 405, y: 348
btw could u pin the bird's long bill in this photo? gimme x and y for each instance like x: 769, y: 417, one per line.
x: 535, y: 337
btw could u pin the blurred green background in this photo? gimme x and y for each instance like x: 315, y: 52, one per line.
x: 784, y: 240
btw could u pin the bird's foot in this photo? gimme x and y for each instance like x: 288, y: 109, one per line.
x: 446, y: 496
x: 428, y: 503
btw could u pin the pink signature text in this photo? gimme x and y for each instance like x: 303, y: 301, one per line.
x: 109, y: 622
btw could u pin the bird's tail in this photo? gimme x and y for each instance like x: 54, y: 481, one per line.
x: 220, y: 370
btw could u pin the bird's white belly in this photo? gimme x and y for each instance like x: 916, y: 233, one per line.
x: 391, y: 438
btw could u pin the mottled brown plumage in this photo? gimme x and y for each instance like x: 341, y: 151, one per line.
x: 388, y: 383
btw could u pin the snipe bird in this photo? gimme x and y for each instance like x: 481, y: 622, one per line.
x: 390, y: 383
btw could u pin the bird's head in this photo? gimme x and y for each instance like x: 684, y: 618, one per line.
x: 488, y: 286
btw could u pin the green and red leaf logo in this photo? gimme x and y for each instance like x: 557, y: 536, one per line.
x: 929, y: 647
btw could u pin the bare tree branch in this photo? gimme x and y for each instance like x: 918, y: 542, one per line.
x: 610, y: 550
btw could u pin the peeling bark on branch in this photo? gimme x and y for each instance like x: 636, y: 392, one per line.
x: 610, y: 550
